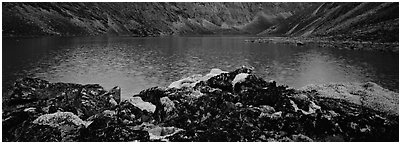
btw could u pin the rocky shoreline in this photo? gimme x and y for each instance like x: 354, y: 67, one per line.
x: 331, y: 43
x: 219, y: 106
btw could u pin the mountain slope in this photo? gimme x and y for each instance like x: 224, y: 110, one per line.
x: 343, y: 21
x: 138, y: 19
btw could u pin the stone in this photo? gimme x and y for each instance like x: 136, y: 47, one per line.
x: 195, y: 79
x: 31, y: 109
x: 238, y: 104
x: 161, y: 133
x: 24, y: 91
x: 59, y: 118
x: 212, y: 73
x: 186, y: 82
x: 113, y: 102
x: 16, y: 123
x: 115, y: 94
x: 107, y: 127
x: 169, y: 110
x: 312, y: 107
x: 301, y: 138
x: 239, y: 78
x: 68, y: 123
x: 133, y: 114
x: 367, y: 94
x: 138, y: 102
x: 299, y: 43
x: 266, y: 109
x: 158, y: 133
x: 41, y: 133
x: 229, y: 106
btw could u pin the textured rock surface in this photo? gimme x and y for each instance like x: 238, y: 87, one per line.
x: 138, y: 102
x: 231, y: 106
x: 360, y: 21
x: 367, y: 94
x: 355, y: 22
x: 142, y: 19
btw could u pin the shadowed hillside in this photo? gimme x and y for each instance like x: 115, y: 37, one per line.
x: 343, y: 21
x: 139, y: 19
x: 339, y: 21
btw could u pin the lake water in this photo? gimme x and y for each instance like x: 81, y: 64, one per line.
x: 135, y: 64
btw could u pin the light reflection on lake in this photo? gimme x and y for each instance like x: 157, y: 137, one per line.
x: 135, y: 64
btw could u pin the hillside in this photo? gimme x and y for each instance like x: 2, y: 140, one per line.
x: 143, y: 19
x: 371, y: 21
x: 342, y: 21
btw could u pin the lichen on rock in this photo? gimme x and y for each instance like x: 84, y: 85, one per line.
x: 60, y: 118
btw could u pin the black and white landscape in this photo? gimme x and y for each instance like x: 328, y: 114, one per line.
x: 218, y: 71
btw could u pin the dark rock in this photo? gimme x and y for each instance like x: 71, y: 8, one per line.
x: 115, y: 93
x: 169, y: 110
x: 32, y: 98
x: 82, y: 100
x: 152, y: 95
x: 301, y: 138
x: 133, y: 114
x: 24, y: 91
x: 67, y: 123
x: 222, y: 81
x: 233, y: 106
x: 108, y: 127
x: 16, y: 122
x: 299, y: 43
x: 40, y: 133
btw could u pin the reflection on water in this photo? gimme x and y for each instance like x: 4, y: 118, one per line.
x: 139, y: 63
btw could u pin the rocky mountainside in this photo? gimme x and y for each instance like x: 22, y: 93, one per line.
x: 143, y: 19
x: 370, y: 21
x: 219, y: 106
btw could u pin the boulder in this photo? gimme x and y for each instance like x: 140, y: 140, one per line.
x: 367, y: 94
x: 186, y: 82
x: 227, y: 106
x: 195, y: 79
x: 41, y: 133
x: 59, y: 119
x: 66, y: 122
x: 162, y: 133
x: 109, y: 127
x: 109, y: 131
x: 301, y: 138
x: 15, y: 123
x: 115, y: 95
x: 138, y: 102
x: 169, y: 110
x: 239, y: 78
x: 82, y: 100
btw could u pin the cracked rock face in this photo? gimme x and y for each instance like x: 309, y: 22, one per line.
x: 220, y: 106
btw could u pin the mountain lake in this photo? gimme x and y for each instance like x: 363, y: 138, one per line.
x: 138, y: 63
